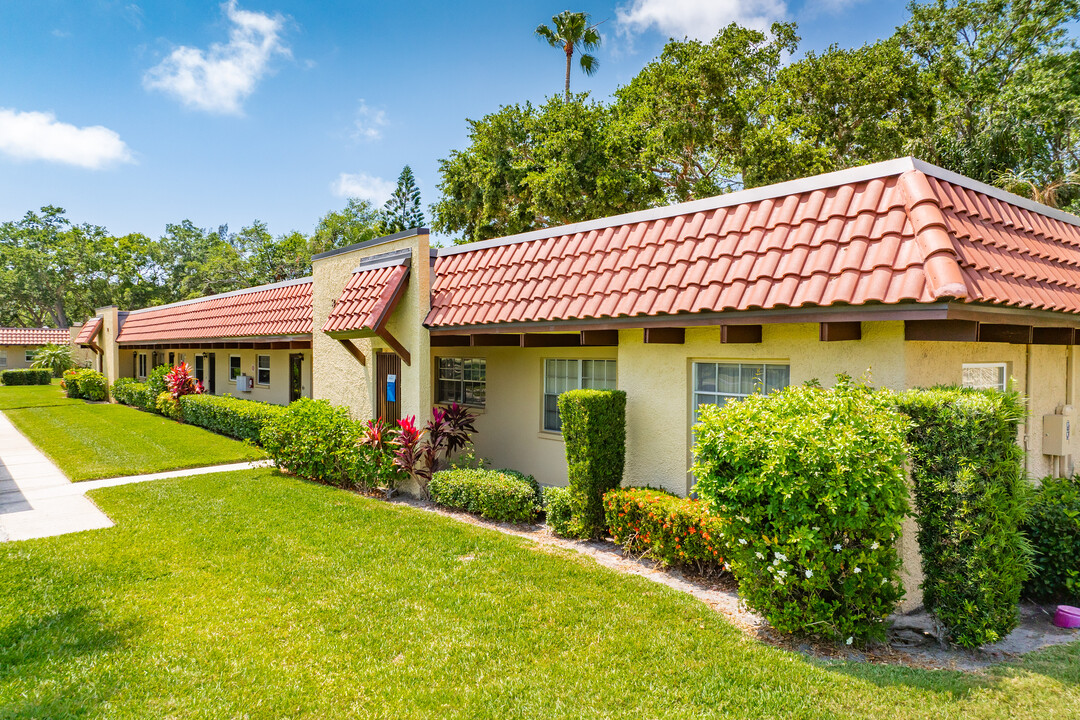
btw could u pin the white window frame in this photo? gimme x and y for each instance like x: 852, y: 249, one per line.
x: 1003, y: 367
x: 3, y: 358
x: 239, y: 368
x: 29, y: 354
x: 460, y: 381
x: 259, y: 370
x: 140, y: 369
x: 695, y: 403
x: 580, y: 383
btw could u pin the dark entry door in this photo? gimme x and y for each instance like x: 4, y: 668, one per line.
x: 200, y: 369
x: 296, y: 377
x: 387, y: 366
x: 213, y: 375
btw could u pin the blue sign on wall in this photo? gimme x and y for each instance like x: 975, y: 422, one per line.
x: 391, y: 388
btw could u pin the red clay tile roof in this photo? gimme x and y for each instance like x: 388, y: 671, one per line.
x: 88, y: 331
x: 901, y: 236
x: 366, y: 299
x: 34, y: 336
x: 267, y: 310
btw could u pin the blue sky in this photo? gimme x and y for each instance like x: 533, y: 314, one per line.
x: 132, y: 115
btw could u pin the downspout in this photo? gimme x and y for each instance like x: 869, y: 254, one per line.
x: 1066, y: 460
x: 1028, y: 423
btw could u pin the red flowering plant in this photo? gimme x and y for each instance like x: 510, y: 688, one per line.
x: 180, y: 381
x: 379, y: 440
x: 673, y: 530
x: 421, y: 453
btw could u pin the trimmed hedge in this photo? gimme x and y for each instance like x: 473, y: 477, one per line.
x: 241, y: 419
x: 970, y: 492
x: 493, y: 494
x: 129, y: 391
x: 26, y: 376
x: 168, y: 406
x: 559, y: 514
x: 1053, y: 529
x: 85, y: 383
x: 594, y: 431
x: 673, y: 530
x: 811, y: 481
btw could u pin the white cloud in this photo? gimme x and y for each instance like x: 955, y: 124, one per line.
x: 40, y: 136
x: 698, y: 19
x: 363, y: 186
x: 369, y: 122
x: 219, y: 79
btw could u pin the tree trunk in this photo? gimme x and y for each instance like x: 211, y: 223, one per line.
x: 569, y: 57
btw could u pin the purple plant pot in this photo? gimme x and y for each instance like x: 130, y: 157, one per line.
x: 1067, y: 616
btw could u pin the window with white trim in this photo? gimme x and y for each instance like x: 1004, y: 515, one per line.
x: 462, y: 380
x: 562, y: 375
x: 234, y: 368
x: 262, y: 367
x: 3, y: 358
x: 715, y: 383
x: 982, y: 376
x: 29, y: 355
x: 142, y: 366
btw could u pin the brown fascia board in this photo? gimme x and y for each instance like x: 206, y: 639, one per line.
x: 208, y: 341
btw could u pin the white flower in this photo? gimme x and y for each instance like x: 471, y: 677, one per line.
x: 780, y: 582
x: 727, y: 567
x: 875, y: 546
x: 781, y: 573
x: 781, y: 556
x: 816, y: 528
x: 759, y: 556
x: 776, y: 561
x: 837, y: 547
x: 884, y: 580
x: 809, y: 574
x: 741, y: 541
x: 858, y: 569
x: 771, y: 569
x: 848, y: 641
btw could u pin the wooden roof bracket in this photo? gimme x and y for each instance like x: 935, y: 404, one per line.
x: 390, y: 340
x: 353, y: 350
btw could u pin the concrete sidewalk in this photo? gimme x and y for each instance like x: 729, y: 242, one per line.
x: 37, y: 500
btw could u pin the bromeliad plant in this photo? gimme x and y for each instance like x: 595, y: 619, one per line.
x: 421, y: 453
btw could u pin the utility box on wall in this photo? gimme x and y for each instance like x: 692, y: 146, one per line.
x: 1056, y: 432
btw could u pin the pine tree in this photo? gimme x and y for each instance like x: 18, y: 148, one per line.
x: 403, y: 210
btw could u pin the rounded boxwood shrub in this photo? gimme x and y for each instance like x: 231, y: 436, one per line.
x: 168, y: 406
x: 494, y: 494
x: 85, y: 383
x: 129, y: 391
x: 1053, y: 529
x: 594, y: 432
x: 673, y: 530
x: 235, y: 417
x: 318, y: 441
x: 971, y: 495
x: 811, y: 482
x: 558, y: 511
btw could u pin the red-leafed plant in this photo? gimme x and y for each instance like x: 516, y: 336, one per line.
x: 421, y: 453
x: 379, y: 438
x: 180, y: 382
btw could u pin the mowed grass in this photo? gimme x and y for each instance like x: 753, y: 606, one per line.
x: 21, y: 396
x: 255, y: 595
x: 98, y: 440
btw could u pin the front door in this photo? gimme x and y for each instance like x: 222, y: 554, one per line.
x: 296, y: 377
x: 213, y: 375
x: 388, y: 386
x: 200, y: 374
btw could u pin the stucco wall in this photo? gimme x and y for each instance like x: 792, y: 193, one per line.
x: 15, y: 355
x: 276, y: 392
x: 338, y: 377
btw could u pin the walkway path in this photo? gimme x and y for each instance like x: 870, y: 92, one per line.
x: 37, y: 500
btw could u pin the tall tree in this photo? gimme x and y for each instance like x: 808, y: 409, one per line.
x: 356, y: 222
x: 572, y: 32
x: 403, y: 210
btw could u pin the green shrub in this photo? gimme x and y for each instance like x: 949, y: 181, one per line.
x: 157, y: 384
x: 241, y: 419
x: 811, y: 482
x: 970, y: 493
x: 54, y: 358
x: 1053, y: 529
x: 26, y: 376
x: 594, y: 430
x: 168, y: 406
x: 493, y: 494
x: 538, y: 491
x: 673, y: 530
x: 318, y: 441
x: 558, y: 511
x: 131, y: 392
x: 84, y: 383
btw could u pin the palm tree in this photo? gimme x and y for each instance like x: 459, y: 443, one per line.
x: 572, y: 32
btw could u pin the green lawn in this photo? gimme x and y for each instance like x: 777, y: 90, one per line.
x: 20, y: 396
x: 97, y: 440
x: 255, y: 595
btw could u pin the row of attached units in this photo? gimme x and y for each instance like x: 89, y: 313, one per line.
x: 19, y: 345
x: 899, y: 271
